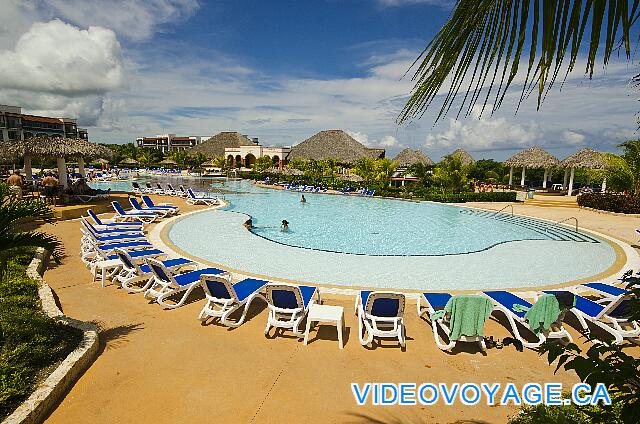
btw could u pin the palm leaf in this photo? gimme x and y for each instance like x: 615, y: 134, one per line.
x: 478, y: 51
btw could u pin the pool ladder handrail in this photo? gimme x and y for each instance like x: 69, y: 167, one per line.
x: 505, y: 207
x: 567, y: 219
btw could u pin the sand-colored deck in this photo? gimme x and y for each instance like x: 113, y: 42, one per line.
x: 164, y: 366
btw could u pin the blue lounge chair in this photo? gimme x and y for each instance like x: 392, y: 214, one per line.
x: 144, y: 217
x: 111, y: 238
x: 150, y: 205
x: 192, y: 199
x: 165, y: 284
x: 109, y: 223
x: 132, y: 273
x: 288, y: 305
x: 224, y: 298
x: 437, y: 302
x: 380, y: 314
x: 110, y: 231
x: 505, y: 302
x: 611, y: 315
x: 138, y: 207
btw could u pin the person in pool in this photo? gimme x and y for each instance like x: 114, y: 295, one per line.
x: 303, y: 200
x: 248, y: 224
x: 285, y: 225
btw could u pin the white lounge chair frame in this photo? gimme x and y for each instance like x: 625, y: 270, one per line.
x: 283, y: 317
x: 370, y: 326
x: 222, y: 308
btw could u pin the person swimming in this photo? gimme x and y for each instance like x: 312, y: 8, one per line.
x: 303, y: 200
x: 285, y: 225
x: 248, y: 224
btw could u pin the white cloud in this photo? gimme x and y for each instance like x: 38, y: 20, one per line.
x: 389, y: 141
x: 136, y: 20
x: 359, y: 137
x: 485, y: 133
x: 59, y: 58
x: 573, y: 137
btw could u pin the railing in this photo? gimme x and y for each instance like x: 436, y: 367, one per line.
x: 507, y: 206
x: 567, y: 219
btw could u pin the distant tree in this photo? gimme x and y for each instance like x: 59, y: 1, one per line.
x: 262, y: 164
x: 424, y: 173
x: 480, y: 169
x: 451, y: 174
x: 365, y: 168
x: 631, y: 155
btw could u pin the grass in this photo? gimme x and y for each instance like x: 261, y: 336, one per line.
x: 31, y: 343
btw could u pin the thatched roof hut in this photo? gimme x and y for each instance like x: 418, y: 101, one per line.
x: 585, y: 158
x: 215, y: 145
x: 533, y: 158
x: 464, y: 156
x: 409, y: 157
x: 168, y: 162
x: 59, y: 147
x: 333, y: 144
x: 129, y: 161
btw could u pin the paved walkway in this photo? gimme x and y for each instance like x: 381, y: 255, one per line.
x: 165, y: 367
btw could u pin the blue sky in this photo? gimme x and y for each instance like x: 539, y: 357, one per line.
x: 276, y: 70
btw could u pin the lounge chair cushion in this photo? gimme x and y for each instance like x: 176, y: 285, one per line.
x: 287, y: 299
x: 606, y: 288
x: 247, y: 287
x: 437, y: 300
x: 508, y: 300
x: 467, y: 315
x: 382, y: 307
x: 190, y: 277
x: 170, y: 263
x: 141, y: 253
x: 108, y: 247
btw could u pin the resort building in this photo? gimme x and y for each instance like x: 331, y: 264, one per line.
x: 15, y: 125
x: 169, y: 142
x: 333, y: 144
x: 216, y: 145
x: 405, y: 159
x: 247, y: 155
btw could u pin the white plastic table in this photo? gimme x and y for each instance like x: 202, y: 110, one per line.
x: 326, y: 314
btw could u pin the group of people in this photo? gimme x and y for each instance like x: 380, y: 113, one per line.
x: 284, y: 226
x: 17, y: 183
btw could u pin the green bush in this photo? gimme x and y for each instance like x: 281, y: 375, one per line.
x: 30, y: 341
x: 496, y: 196
x: 568, y: 414
x: 620, y: 203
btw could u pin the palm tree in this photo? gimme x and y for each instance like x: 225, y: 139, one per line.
x: 631, y: 155
x: 14, y: 212
x: 484, y: 40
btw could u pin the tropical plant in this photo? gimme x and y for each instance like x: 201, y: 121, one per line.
x: 299, y: 164
x: 482, y: 43
x: 451, y: 174
x: 15, y: 211
x: 365, y: 168
x: 217, y: 162
x: 619, y: 176
x: 262, y: 164
x: 631, y: 155
x: 424, y: 173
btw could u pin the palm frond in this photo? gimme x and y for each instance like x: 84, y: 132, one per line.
x: 478, y: 51
x: 16, y: 240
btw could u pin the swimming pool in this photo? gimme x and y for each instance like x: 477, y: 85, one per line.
x: 352, y: 241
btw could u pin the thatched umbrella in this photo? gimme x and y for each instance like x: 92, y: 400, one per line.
x: 409, y: 157
x: 333, y: 144
x: 100, y: 161
x: 464, y: 156
x: 60, y: 148
x: 585, y: 158
x: 215, y: 145
x: 354, y: 177
x: 129, y: 161
x: 534, y: 158
x: 168, y: 162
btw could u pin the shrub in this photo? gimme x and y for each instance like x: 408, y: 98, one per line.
x: 496, y: 196
x: 567, y: 414
x: 620, y: 203
x: 30, y: 341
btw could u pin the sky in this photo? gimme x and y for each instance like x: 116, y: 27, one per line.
x: 280, y: 71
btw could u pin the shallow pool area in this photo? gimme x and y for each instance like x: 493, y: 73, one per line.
x: 365, y: 242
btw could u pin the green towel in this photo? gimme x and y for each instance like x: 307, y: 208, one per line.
x: 467, y: 314
x: 543, y: 313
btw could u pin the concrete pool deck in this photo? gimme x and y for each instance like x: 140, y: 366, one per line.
x: 164, y: 366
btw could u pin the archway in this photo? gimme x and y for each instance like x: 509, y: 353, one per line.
x: 238, y: 162
x: 249, y: 160
x: 275, y: 160
x: 230, y: 161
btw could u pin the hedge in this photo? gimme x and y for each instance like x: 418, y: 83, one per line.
x: 496, y: 196
x: 621, y: 203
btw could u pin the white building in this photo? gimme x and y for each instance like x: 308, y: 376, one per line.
x: 169, y: 142
x: 247, y: 155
